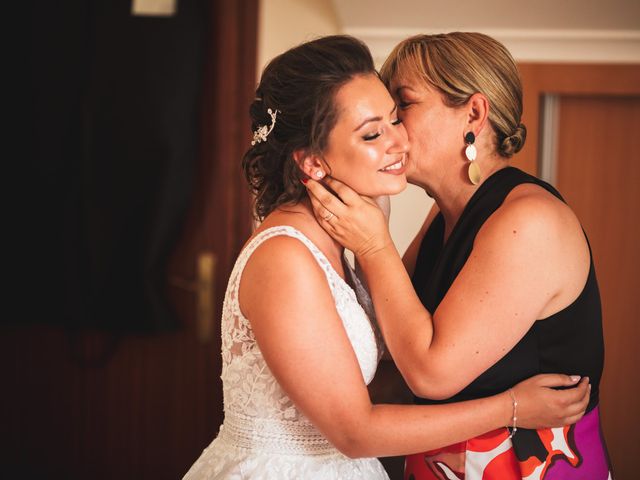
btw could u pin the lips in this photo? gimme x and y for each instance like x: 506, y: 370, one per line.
x: 395, y: 166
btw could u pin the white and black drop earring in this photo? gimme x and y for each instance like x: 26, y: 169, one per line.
x: 319, y: 174
x: 471, y: 153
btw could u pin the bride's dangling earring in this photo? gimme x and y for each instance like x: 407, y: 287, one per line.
x: 471, y: 153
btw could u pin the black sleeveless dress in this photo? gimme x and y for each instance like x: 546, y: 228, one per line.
x: 569, y: 342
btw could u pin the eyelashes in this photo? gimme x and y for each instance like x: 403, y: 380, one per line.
x: 368, y: 138
x: 373, y: 136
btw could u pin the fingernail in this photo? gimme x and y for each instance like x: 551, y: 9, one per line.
x: 305, y: 180
x: 575, y: 378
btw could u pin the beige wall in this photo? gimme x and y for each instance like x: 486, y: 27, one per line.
x: 286, y: 23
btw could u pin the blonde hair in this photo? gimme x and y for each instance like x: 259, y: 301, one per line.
x: 459, y: 64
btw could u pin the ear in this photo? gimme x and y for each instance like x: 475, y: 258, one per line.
x: 477, y: 113
x: 310, y: 164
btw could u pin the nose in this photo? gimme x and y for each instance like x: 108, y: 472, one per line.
x: 400, y: 140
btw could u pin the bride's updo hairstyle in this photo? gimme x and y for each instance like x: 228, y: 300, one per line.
x: 460, y: 64
x: 299, y: 86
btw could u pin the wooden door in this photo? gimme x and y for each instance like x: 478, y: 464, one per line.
x: 591, y: 137
x: 94, y: 405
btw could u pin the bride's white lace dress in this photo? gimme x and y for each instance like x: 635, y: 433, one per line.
x: 264, y: 436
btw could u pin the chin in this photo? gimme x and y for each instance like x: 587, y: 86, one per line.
x: 386, y: 188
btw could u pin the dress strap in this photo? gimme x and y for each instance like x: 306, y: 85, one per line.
x: 332, y: 276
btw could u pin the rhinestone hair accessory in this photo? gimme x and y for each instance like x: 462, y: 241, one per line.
x: 263, y: 131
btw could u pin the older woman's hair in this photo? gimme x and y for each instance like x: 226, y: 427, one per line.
x: 301, y: 85
x: 460, y: 64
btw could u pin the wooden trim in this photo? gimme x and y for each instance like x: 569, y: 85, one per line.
x: 526, y: 45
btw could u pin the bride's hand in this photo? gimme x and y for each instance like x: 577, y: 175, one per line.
x: 355, y: 221
x: 541, y: 406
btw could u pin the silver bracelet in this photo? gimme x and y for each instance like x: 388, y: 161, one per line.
x: 514, y: 429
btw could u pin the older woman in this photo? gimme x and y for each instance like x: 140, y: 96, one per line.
x: 499, y: 283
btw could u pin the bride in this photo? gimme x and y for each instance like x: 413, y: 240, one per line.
x: 299, y: 340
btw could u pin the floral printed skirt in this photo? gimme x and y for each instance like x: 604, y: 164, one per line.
x: 575, y: 452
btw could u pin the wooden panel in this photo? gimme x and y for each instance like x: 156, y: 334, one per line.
x: 539, y: 79
x: 89, y: 405
x: 598, y: 172
x: 93, y: 406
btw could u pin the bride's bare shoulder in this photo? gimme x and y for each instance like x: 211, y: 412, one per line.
x: 280, y: 270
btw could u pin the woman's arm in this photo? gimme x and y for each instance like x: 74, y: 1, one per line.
x: 516, y: 268
x: 285, y: 295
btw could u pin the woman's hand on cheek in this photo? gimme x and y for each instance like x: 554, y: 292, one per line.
x: 355, y: 221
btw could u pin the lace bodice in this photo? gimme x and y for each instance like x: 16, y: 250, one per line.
x: 260, y: 419
x: 248, y: 385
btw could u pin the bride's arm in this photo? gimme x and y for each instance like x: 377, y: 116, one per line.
x: 285, y: 295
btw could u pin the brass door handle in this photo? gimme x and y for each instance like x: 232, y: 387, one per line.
x: 204, y: 288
